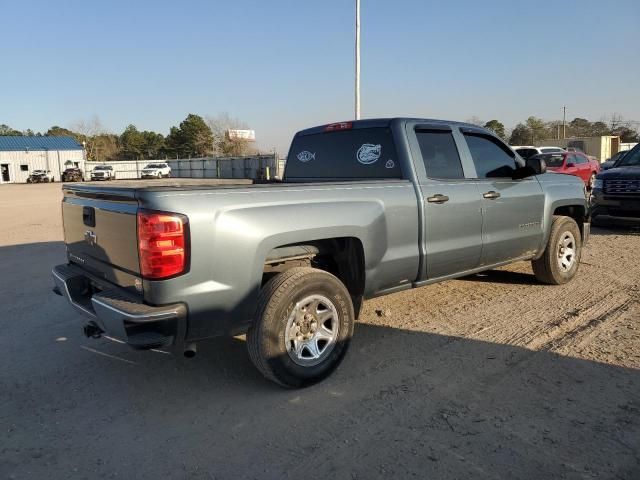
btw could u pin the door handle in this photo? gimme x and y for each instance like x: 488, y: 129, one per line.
x: 491, y: 195
x: 438, y: 198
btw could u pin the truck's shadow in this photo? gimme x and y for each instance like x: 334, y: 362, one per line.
x: 403, y: 403
x: 503, y: 276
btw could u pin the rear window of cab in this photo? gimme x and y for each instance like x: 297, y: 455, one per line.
x: 359, y: 153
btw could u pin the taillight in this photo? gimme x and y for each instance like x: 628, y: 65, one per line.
x: 163, y: 244
x: 332, y: 127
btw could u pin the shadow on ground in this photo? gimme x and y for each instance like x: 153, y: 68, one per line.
x: 403, y: 404
x: 504, y: 277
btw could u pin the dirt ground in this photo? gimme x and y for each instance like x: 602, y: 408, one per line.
x: 492, y: 376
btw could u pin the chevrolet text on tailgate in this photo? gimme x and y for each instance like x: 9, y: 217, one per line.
x: 366, y: 208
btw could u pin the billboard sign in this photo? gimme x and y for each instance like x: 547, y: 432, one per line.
x: 248, y: 135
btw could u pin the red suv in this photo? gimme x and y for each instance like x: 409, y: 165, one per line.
x: 572, y: 163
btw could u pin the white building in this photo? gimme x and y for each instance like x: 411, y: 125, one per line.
x: 19, y: 156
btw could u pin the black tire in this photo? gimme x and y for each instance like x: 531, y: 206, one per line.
x: 266, y: 337
x: 547, y: 268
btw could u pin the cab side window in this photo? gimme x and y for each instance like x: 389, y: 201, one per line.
x: 440, y: 154
x: 491, y: 158
x: 580, y: 158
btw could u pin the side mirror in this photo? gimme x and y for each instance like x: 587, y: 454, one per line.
x: 538, y: 165
x: 571, y: 165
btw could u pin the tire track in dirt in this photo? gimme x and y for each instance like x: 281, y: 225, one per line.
x: 581, y: 323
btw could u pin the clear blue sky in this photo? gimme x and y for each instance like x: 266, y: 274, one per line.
x: 284, y: 65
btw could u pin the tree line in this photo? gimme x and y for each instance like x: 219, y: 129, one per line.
x: 198, y: 136
x: 195, y: 136
x: 534, y: 130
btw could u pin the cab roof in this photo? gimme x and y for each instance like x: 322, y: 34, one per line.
x: 387, y: 122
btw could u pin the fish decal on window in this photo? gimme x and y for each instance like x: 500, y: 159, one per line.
x: 369, y: 153
x: 305, y: 156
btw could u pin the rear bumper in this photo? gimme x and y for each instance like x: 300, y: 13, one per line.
x: 120, y: 314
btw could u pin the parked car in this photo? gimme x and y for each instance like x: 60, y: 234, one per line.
x: 366, y: 208
x: 156, y: 170
x: 609, y: 163
x: 616, y: 193
x: 529, y: 151
x: 103, y: 172
x: 572, y: 163
x: 72, y: 175
x: 40, y: 176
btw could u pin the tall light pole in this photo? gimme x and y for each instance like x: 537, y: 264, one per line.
x: 357, y: 59
x: 564, y: 122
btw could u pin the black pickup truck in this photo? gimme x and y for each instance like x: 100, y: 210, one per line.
x: 615, y: 198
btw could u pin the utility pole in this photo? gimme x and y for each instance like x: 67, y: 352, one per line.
x: 564, y: 122
x: 357, y: 59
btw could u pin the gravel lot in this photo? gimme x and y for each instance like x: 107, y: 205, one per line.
x: 485, y: 377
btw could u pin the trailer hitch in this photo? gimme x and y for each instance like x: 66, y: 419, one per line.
x: 91, y: 330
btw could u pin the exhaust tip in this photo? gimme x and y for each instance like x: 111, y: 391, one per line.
x: 190, y: 350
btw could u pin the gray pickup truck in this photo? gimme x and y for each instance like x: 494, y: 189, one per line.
x: 366, y: 208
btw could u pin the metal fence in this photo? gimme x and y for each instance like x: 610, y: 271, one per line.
x: 254, y: 167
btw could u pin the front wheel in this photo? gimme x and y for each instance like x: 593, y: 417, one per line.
x: 561, y: 258
x: 303, y: 326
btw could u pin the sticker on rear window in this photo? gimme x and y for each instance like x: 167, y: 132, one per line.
x: 369, y: 153
x: 390, y: 164
x: 305, y: 156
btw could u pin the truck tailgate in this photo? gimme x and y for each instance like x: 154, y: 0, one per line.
x: 100, y: 231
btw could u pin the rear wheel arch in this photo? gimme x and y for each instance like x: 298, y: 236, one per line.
x: 343, y: 257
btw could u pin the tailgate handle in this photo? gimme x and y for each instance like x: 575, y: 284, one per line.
x: 89, y: 216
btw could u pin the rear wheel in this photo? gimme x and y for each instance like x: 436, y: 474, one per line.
x: 303, y: 327
x: 561, y: 258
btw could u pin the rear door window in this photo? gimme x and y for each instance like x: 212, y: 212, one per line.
x: 360, y: 153
x: 491, y: 158
x: 439, y: 154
